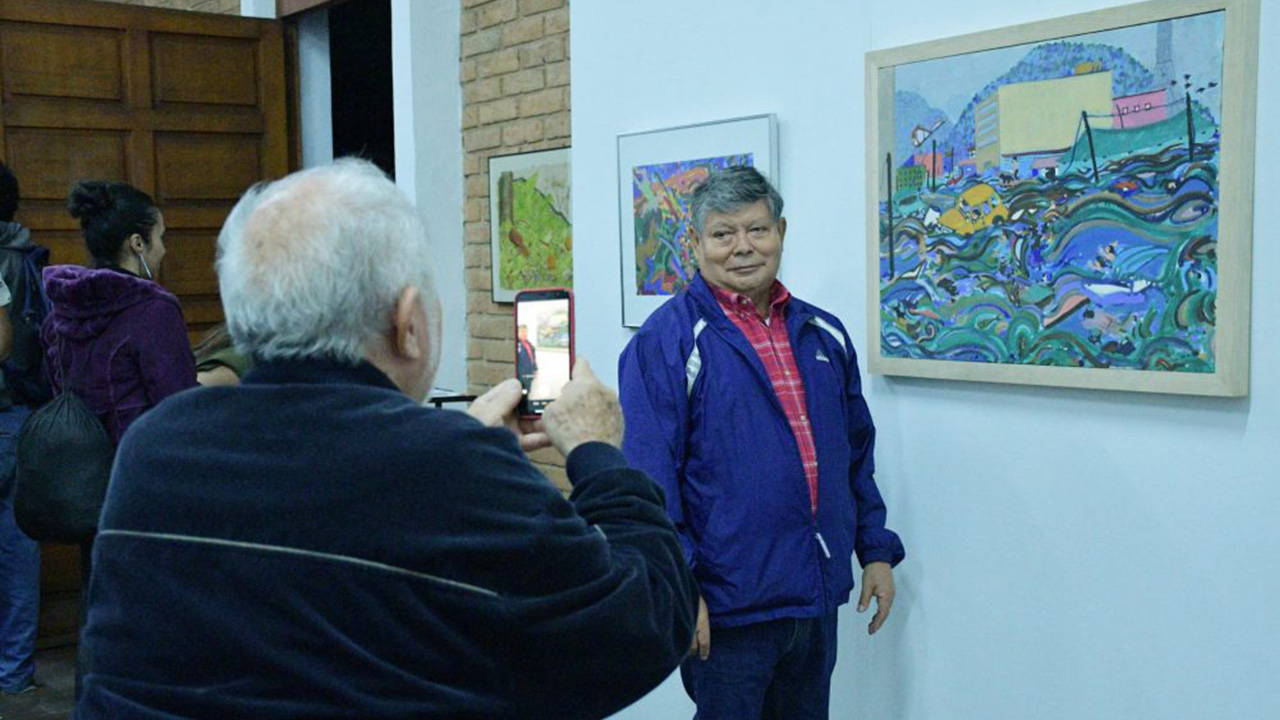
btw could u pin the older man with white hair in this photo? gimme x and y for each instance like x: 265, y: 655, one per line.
x: 315, y: 543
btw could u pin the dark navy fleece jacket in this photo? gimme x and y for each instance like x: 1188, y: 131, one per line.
x: 315, y: 544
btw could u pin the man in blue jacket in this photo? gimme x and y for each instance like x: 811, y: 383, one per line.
x: 745, y: 404
x: 314, y: 543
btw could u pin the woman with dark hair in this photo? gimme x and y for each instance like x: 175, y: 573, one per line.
x: 114, y: 336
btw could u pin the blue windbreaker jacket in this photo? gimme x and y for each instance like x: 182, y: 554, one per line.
x: 703, y: 420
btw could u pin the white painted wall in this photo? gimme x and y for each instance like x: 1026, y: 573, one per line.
x: 315, y: 103
x: 1070, y: 554
x: 258, y: 8
x: 425, y: 46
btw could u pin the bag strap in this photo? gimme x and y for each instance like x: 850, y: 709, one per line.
x: 36, y: 302
x: 75, y: 376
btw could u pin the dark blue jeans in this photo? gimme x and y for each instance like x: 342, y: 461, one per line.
x: 19, y: 569
x: 770, y: 670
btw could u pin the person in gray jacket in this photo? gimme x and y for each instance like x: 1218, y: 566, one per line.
x: 21, y: 355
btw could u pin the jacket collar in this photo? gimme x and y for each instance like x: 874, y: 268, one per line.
x: 317, y: 371
x: 117, y: 268
x: 798, y: 313
x: 708, y: 307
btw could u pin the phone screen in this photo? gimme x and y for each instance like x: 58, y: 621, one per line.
x: 544, y: 346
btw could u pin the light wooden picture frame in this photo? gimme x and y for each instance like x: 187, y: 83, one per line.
x: 1067, y: 202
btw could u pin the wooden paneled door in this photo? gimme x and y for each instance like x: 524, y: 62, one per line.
x: 189, y: 107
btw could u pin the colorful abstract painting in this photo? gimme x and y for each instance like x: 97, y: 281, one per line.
x: 530, y: 226
x: 664, y: 231
x: 1057, y: 203
x: 657, y: 172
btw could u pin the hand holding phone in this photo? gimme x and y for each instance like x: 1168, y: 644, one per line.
x: 497, y: 408
x: 543, y: 346
x: 587, y: 411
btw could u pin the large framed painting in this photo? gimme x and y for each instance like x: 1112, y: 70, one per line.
x: 1067, y: 202
x: 657, y: 171
x: 530, y: 222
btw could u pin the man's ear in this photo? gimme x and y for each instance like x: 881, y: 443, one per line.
x: 697, y: 246
x: 407, y: 334
x: 782, y: 228
x: 136, y: 244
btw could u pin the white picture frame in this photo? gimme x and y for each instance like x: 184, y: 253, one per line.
x: 650, y: 159
x: 545, y: 258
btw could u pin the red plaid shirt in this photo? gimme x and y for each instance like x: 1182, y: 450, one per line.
x: 774, y: 348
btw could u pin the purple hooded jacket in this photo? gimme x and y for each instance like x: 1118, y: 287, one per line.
x: 119, y: 339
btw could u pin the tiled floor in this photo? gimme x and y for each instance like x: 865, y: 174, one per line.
x: 56, y: 673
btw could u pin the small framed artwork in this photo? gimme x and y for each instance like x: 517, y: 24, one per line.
x: 1067, y: 202
x: 530, y: 222
x: 657, y: 171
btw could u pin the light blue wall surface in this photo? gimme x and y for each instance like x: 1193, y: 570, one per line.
x: 1071, y: 554
x: 425, y: 45
x: 315, y: 109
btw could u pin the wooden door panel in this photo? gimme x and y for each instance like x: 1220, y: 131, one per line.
x: 188, y: 107
x: 68, y: 114
x: 193, y: 69
x: 230, y: 120
x: 208, y: 166
x: 73, y: 62
x: 59, y: 594
x: 203, y: 311
x: 66, y: 247
x: 44, y: 158
x: 51, y: 215
x: 205, y: 215
x: 189, y: 257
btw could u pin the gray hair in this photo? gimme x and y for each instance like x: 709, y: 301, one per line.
x: 730, y: 189
x: 311, y: 266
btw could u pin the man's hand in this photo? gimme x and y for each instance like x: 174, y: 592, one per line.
x: 586, y: 411
x: 702, y: 632
x: 497, y: 408
x: 877, y: 580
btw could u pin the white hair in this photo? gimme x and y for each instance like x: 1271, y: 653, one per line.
x: 311, y: 266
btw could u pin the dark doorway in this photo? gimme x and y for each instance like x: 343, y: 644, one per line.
x: 360, y: 72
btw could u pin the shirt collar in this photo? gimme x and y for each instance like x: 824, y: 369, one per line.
x: 317, y: 371
x: 742, y: 305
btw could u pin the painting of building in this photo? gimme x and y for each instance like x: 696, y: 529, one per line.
x: 910, y: 178
x: 1134, y: 111
x: 933, y: 163
x: 1073, y: 219
x: 1041, y: 116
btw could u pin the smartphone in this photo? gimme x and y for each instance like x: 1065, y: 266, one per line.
x: 543, y: 346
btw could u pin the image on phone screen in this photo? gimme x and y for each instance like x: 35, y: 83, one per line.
x: 543, y: 349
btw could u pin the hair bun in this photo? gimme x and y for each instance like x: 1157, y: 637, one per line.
x: 88, y: 198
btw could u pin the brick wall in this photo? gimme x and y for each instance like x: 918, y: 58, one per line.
x: 515, y: 85
x: 229, y: 7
